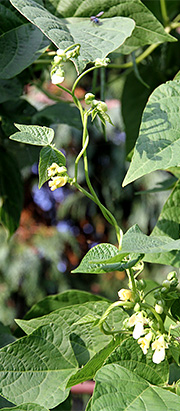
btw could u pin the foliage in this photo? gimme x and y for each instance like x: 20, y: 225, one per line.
x: 129, y: 346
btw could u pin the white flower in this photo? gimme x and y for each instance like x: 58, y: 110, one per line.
x: 58, y: 76
x: 125, y: 295
x: 138, y: 321
x: 144, y: 342
x: 159, y: 345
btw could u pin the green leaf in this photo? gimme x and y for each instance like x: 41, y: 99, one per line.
x: 134, y: 99
x: 168, y: 226
x: 19, y: 48
x: 117, y: 385
x: 86, y: 339
x: 10, y: 89
x: 175, y: 309
x: 129, y: 355
x: 157, y: 146
x: 26, y: 407
x: 60, y: 113
x: 49, y: 155
x: 11, y: 192
x: 99, y: 252
x: 134, y: 242
x: 63, y: 300
x: 148, y: 29
x: 96, y: 41
x: 93, y: 365
x: 9, y: 17
x: 36, y: 135
x: 5, y: 335
x: 36, y: 367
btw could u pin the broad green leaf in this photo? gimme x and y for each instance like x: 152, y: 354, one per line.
x: 134, y: 99
x: 5, y: 335
x: 36, y: 367
x: 63, y: 300
x: 93, y: 365
x: 8, y: 17
x: 99, y: 252
x: 11, y: 192
x: 49, y: 155
x: 168, y: 226
x: 10, y: 89
x: 86, y: 339
x: 134, y: 242
x: 157, y: 146
x: 129, y: 355
x: 39, y: 136
x: 96, y: 41
x: 148, y: 29
x: 119, y: 387
x: 19, y: 48
x: 26, y: 407
x: 61, y: 112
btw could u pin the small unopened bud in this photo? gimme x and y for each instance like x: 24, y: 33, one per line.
x: 166, y: 284
x: 58, y: 76
x: 89, y: 97
x: 61, y: 53
x: 159, y: 309
x: 102, y: 62
x: 137, y: 307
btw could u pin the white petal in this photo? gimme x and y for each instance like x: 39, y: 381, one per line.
x: 158, y: 356
x: 138, y: 330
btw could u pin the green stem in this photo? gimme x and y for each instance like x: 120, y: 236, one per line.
x: 156, y: 315
x: 80, y: 77
x: 102, y: 80
x: 78, y: 158
x: 150, y: 291
x: 164, y: 12
x: 107, y: 214
x: 94, y: 81
x: 132, y: 283
x: 65, y: 89
x: 142, y: 56
x: 126, y: 304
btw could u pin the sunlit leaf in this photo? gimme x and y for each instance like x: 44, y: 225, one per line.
x: 39, y: 136
x: 117, y: 385
x: 157, y: 146
x: 96, y: 41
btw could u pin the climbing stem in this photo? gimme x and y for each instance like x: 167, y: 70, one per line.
x: 164, y: 12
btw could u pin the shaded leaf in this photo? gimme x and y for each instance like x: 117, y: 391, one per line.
x: 61, y: 112
x: 10, y: 89
x: 5, y: 335
x: 157, y: 146
x: 96, y: 41
x: 65, y: 299
x: 19, y: 48
x: 39, y: 136
x: 168, y: 225
x: 11, y: 192
x: 35, y: 368
x: 49, y: 155
x: 117, y: 385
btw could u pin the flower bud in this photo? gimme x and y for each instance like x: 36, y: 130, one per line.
x: 166, y: 284
x: 159, y: 309
x: 61, y: 53
x: 89, y: 97
x: 102, y: 62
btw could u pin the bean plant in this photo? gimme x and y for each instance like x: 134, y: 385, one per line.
x: 130, y: 347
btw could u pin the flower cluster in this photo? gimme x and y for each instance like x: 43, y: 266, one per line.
x: 58, y: 176
x: 97, y: 108
x: 157, y: 341
x: 57, y: 72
